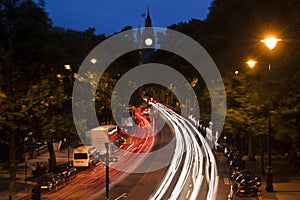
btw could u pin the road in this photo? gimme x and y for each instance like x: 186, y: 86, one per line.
x: 191, y: 172
x: 142, y: 185
x: 90, y: 184
x: 193, y: 167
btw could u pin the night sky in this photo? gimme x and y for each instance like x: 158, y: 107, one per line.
x: 111, y: 16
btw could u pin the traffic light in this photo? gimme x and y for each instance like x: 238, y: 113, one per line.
x: 36, y: 193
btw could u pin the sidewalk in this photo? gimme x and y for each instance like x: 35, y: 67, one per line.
x: 23, y: 189
x: 286, y: 183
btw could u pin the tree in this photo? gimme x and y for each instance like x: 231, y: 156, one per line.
x: 247, y: 112
x: 23, y: 27
x: 46, y: 102
x: 288, y: 111
x: 232, y: 33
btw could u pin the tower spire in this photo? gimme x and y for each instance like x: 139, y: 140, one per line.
x: 148, y: 32
x: 148, y: 22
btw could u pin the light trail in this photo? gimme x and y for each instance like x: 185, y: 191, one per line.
x: 92, y: 184
x: 192, y: 166
x: 190, y: 153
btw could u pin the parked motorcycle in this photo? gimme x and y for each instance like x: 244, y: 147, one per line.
x: 246, y: 188
x: 246, y: 185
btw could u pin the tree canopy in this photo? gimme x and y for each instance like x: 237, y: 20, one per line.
x: 39, y: 63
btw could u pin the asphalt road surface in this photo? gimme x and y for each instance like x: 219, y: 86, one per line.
x: 139, y: 186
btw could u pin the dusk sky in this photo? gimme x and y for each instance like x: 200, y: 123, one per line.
x: 111, y: 16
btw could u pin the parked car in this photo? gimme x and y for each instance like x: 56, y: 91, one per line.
x: 65, y: 171
x: 49, y: 181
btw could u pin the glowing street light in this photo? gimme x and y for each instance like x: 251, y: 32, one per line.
x: 93, y: 60
x: 271, y: 42
x: 251, y: 63
x: 67, y: 67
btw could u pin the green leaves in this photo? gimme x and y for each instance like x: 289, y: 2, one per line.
x: 246, y: 108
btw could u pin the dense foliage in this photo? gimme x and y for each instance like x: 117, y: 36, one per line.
x: 39, y: 62
x: 232, y: 34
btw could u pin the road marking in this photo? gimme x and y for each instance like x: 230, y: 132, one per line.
x: 226, y: 181
x: 188, y: 193
x: 121, y: 196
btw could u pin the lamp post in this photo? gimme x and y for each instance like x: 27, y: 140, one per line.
x: 270, y: 43
x: 26, y: 161
x: 107, y: 170
x: 105, y: 158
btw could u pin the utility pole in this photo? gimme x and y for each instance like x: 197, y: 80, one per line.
x: 107, y: 170
x: 107, y: 160
x: 26, y: 160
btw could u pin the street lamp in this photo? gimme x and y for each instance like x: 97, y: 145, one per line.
x: 107, y: 170
x: 270, y: 43
x: 251, y: 63
x: 107, y: 160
